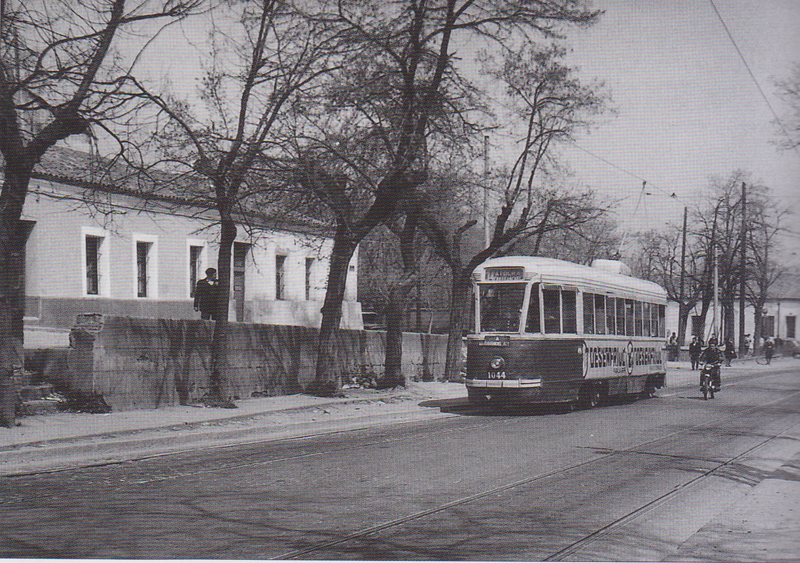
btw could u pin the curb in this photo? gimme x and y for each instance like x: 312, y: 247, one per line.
x: 133, y: 444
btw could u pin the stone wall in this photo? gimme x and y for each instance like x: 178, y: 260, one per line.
x: 147, y: 363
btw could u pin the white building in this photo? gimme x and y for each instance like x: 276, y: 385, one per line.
x: 130, y: 255
x: 779, y: 316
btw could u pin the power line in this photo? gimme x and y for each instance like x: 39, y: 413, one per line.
x: 752, y: 76
x: 671, y: 195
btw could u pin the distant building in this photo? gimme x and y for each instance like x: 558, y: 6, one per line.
x: 778, y: 320
x: 98, y: 247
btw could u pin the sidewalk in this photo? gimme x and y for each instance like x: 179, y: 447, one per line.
x: 57, y: 441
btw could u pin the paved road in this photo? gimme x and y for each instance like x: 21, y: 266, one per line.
x: 629, y: 481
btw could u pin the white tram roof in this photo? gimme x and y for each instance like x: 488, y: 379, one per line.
x: 561, y: 272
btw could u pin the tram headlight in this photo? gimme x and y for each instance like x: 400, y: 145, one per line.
x: 497, y: 363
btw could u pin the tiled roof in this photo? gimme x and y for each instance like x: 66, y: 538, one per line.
x: 84, y: 170
x: 786, y: 286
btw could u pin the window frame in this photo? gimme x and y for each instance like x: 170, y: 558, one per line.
x: 280, y: 276
x: 151, y: 266
x: 103, y: 262
x: 202, y: 263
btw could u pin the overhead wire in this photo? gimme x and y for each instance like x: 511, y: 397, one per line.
x: 753, y: 77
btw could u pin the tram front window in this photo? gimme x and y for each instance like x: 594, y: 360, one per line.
x: 501, y: 306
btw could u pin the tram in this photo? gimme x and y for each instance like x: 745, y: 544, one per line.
x: 551, y: 331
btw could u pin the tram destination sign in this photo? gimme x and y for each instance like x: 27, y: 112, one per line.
x: 504, y: 274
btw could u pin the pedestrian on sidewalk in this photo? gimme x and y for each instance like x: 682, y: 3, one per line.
x: 769, y: 349
x: 730, y: 352
x: 205, y: 295
x: 672, y: 348
x: 695, y: 349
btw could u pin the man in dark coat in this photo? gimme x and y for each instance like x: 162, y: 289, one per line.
x: 205, y: 295
x: 695, y: 349
x: 769, y: 349
x: 713, y: 355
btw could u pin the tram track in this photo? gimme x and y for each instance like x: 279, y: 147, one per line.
x: 565, y: 552
x: 464, y: 410
x: 594, y: 535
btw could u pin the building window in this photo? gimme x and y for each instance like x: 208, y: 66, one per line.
x: 790, y: 326
x: 309, y: 277
x: 95, y: 263
x: 768, y: 326
x: 142, y: 258
x: 145, y: 265
x: 195, y: 267
x: 93, y: 249
x: 280, y: 277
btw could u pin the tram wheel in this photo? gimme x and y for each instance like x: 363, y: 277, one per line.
x: 591, y: 395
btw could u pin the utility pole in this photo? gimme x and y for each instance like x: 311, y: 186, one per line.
x: 487, y: 238
x: 742, y: 268
x: 682, y: 312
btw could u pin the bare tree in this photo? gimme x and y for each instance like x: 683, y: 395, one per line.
x: 721, y: 227
x: 789, y: 91
x: 659, y: 259
x: 402, y: 94
x: 553, y: 104
x: 263, y: 58
x: 763, y: 269
x: 57, y: 79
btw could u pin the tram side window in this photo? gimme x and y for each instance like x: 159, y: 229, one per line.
x: 646, y: 319
x: 620, y: 317
x: 611, y: 304
x: 662, y: 321
x: 638, y: 320
x: 552, y: 310
x: 654, y: 320
x: 534, y: 323
x: 588, y: 313
x: 600, y: 314
x: 569, y: 311
x: 629, y: 317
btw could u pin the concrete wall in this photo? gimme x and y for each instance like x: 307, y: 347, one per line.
x: 148, y: 363
x: 60, y: 312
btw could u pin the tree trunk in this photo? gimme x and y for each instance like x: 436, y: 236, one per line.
x: 12, y: 305
x: 758, y: 331
x: 459, y: 313
x: 12, y: 291
x: 393, y: 363
x: 219, y: 340
x: 728, y: 321
x: 328, y: 379
x: 683, y: 321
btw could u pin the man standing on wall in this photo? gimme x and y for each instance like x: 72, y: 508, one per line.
x: 205, y: 295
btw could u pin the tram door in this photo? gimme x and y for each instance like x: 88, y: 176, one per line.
x: 240, y: 251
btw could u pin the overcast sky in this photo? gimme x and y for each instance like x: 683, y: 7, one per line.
x: 687, y: 107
